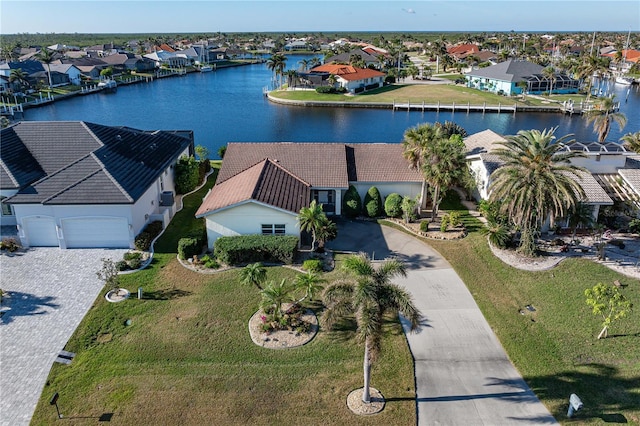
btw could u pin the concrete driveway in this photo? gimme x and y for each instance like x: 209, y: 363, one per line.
x: 463, y: 375
x: 50, y: 291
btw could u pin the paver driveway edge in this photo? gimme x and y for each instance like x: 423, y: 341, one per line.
x: 50, y: 290
x: 462, y: 374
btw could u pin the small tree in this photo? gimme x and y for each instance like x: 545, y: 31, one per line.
x: 273, y: 297
x: 326, y: 231
x: 373, y: 202
x: 606, y: 300
x: 253, y: 274
x: 202, y: 152
x: 221, y: 151
x: 393, y: 205
x: 409, y: 208
x: 109, y: 274
x: 310, y: 284
x: 352, y: 204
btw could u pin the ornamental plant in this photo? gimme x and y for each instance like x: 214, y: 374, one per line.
x: 607, y: 301
x: 373, y: 203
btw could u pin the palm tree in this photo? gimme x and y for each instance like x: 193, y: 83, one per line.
x: 603, y: 115
x: 593, y: 66
x: 46, y: 56
x: 311, y: 219
x: 416, y: 143
x: 274, y: 296
x: 304, y: 64
x: 549, y: 74
x: 631, y: 141
x: 535, y: 182
x: 18, y: 76
x: 332, y: 79
x: 253, y: 274
x: 291, y: 77
x: 327, y: 231
x: 369, y: 297
x: 314, y: 62
x: 310, y: 283
x: 277, y: 63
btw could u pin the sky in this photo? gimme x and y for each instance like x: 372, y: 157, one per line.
x: 207, y: 16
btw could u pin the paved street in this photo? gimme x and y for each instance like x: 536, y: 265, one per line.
x: 50, y: 291
x: 463, y: 375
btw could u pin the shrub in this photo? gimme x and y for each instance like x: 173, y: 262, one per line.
x: 358, y: 90
x: 393, y: 205
x: 325, y: 89
x: 634, y: 226
x: 498, y: 234
x: 134, y: 255
x: 144, y: 238
x: 312, y: 265
x: 189, y: 247
x: 351, y: 203
x: 256, y: 248
x: 424, y: 226
x: 122, y: 265
x: 10, y: 244
x: 203, y: 168
x: 186, y: 174
x: 372, y: 86
x: 209, y: 262
x: 373, y: 202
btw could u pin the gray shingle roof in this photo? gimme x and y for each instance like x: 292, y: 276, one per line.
x: 483, y: 141
x: 85, y: 163
x: 511, y: 70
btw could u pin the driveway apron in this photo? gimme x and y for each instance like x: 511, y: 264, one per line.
x: 463, y: 375
x: 50, y: 291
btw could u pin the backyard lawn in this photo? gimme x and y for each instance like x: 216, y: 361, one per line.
x: 187, y: 358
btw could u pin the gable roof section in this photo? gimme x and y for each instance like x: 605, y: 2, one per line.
x: 379, y: 162
x: 511, y: 70
x: 86, y: 163
x: 265, y: 182
x: 321, y: 165
x: 18, y: 167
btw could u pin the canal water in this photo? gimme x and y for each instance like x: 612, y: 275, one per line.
x: 228, y: 105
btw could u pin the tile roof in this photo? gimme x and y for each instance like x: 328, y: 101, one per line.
x: 594, y: 192
x: 266, y: 182
x: 379, y: 162
x: 84, y: 163
x: 322, y: 165
x: 348, y: 72
x: 511, y: 70
x: 483, y: 141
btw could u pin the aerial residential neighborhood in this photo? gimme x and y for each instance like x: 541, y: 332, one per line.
x: 250, y: 226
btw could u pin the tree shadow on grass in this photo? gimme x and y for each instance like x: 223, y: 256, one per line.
x: 602, y: 389
x: 165, y: 294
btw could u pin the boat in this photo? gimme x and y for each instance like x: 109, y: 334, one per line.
x: 624, y: 81
x: 108, y: 85
x: 206, y: 68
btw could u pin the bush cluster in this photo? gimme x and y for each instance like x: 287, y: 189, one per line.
x: 330, y: 89
x: 144, y: 238
x: 424, y: 226
x: 192, y: 244
x: 10, y: 244
x: 256, y: 248
x: 358, y: 90
x: 209, y: 262
x: 312, y: 265
x: 131, y: 260
x: 372, y: 86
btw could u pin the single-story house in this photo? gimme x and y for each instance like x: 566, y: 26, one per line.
x: 504, y: 78
x: 170, y: 59
x: 79, y: 184
x: 72, y: 72
x: 261, y: 187
x: 613, y: 173
x: 353, y: 79
x: 369, y: 59
x: 57, y: 78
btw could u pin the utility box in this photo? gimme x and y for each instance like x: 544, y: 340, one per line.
x: 166, y: 198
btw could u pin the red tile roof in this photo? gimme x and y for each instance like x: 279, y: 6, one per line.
x: 348, y: 72
x: 265, y: 182
x: 463, y: 49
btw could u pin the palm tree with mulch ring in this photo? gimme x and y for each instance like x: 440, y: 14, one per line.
x: 369, y: 297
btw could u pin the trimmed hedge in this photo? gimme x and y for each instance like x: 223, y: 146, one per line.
x: 373, y: 203
x: 192, y: 244
x: 351, y: 203
x: 256, y: 248
x: 393, y: 205
x: 187, y: 174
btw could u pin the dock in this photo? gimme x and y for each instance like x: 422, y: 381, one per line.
x: 453, y: 107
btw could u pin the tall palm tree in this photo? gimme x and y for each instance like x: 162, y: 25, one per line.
x: 416, y: 143
x: 327, y: 231
x: 535, y: 182
x: 18, y: 76
x: 253, y: 274
x: 46, y: 56
x: 369, y: 297
x: 304, y: 64
x: 311, y: 219
x: 277, y: 63
x: 593, y: 66
x: 291, y: 77
x: 549, y: 74
x: 631, y: 141
x: 603, y: 115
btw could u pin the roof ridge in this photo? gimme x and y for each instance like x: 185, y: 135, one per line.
x: 111, y: 178
x: 8, y: 172
x: 275, y: 163
x: 84, y: 124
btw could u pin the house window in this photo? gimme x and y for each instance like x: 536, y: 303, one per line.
x: 273, y: 229
x: 6, y: 208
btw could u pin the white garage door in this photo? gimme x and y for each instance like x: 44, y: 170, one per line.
x: 40, y: 231
x: 96, y: 232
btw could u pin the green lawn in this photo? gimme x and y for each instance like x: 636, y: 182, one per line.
x: 446, y: 94
x: 187, y: 358
x: 555, y: 348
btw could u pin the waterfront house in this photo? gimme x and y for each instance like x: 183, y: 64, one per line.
x: 28, y: 67
x: 80, y: 184
x: 613, y: 173
x: 169, y: 59
x: 504, y: 78
x: 261, y: 187
x: 370, y: 58
x: 353, y: 79
x: 73, y: 73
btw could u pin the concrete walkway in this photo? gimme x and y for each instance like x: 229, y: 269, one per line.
x: 49, y: 292
x: 463, y: 375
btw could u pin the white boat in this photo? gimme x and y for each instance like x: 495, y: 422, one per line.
x: 624, y: 81
x: 108, y: 85
x: 206, y: 68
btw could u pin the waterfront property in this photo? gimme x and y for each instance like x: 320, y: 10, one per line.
x: 79, y: 184
x: 262, y: 186
x: 512, y: 77
x: 352, y: 79
x: 613, y: 173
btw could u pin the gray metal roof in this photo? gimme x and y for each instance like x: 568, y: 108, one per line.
x: 84, y: 163
x: 511, y: 70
